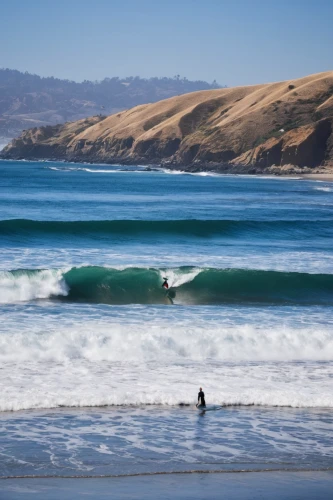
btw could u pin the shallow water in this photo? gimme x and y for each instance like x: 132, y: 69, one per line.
x: 127, y: 441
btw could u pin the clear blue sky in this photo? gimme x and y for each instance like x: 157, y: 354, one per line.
x: 233, y: 41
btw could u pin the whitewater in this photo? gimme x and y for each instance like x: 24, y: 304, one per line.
x: 86, y: 322
x: 91, y: 356
x: 100, y: 366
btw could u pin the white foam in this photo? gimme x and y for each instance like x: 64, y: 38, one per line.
x: 118, y: 169
x: 184, y: 172
x: 172, y: 172
x: 326, y: 189
x: 158, y: 342
x: 20, y: 287
x: 151, y: 358
x: 78, y: 169
x: 87, y: 384
x: 96, y: 171
x: 177, y: 277
x: 206, y: 174
x: 122, y: 257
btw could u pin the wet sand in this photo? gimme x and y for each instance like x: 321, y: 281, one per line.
x: 233, y: 486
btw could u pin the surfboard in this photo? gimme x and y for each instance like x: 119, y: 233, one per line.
x: 171, y: 294
x: 209, y: 407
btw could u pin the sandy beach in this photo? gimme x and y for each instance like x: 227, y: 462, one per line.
x: 234, y: 486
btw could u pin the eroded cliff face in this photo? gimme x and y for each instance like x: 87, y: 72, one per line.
x: 237, y: 129
x: 305, y: 146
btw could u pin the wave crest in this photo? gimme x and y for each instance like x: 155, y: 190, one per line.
x: 188, y: 285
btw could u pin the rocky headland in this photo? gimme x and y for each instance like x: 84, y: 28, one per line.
x: 284, y: 127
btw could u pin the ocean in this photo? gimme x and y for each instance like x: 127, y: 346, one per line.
x: 100, y: 366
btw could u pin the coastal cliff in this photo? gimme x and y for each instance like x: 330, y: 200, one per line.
x: 284, y: 126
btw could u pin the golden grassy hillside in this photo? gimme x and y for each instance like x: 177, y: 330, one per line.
x: 284, y: 123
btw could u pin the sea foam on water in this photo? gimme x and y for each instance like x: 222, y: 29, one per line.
x: 25, y: 286
x: 63, y: 362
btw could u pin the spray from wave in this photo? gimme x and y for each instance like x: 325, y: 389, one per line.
x: 25, y: 285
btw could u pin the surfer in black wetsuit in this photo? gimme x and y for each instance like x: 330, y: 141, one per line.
x: 201, y: 398
x: 165, y: 283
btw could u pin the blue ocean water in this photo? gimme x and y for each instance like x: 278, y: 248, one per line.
x: 86, y: 322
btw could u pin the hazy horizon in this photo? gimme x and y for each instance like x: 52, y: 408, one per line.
x: 107, y: 77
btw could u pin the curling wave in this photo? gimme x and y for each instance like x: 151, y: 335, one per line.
x: 188, y: 285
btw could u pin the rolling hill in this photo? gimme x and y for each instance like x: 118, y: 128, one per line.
x: 284, y: 125
x: 29, y: 100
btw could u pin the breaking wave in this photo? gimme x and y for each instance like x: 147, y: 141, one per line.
x: 188, y: 285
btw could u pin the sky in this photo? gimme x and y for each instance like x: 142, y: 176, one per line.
x: 236, y: 42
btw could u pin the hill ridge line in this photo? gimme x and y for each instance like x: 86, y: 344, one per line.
x: 280, y: 127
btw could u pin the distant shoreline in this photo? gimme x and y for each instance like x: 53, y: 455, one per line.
x: 275, y: 172
x: 318, y: 177
x: 282, y: 128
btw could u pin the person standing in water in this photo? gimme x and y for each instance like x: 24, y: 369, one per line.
x: 201, y: 398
